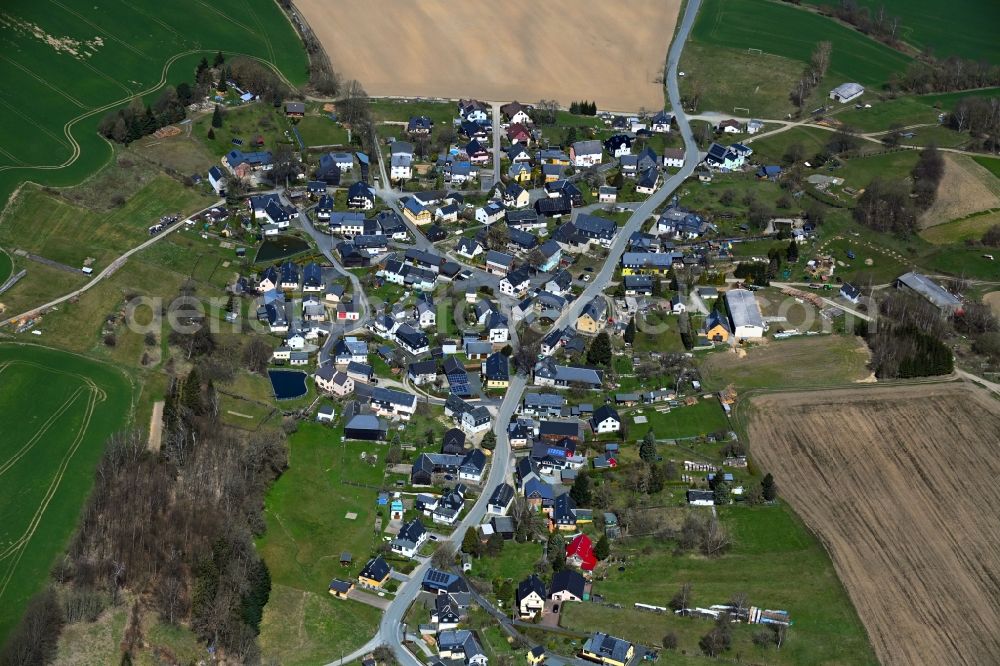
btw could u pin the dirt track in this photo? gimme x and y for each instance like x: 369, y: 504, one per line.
x: 900, y: 483
x: 609, y: 52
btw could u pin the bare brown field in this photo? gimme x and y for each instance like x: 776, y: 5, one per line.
x: 992, y: 299
x: 609, y: 52
x: 966, y: 188
x: 900, y: 485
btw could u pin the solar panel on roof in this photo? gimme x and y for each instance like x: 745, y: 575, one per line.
x: 237, y: 142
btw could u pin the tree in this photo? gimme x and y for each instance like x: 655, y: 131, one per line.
x: 497, y: 236
x: 555, y: 550
x: 681, y: 598
x: 285, y: 165
x: 819, y: 62
x: 656, y: 479
x: 599, y: 352
x: 219, y: 59
x: 647, y: 449
x: 794, y: 154
x: 443, y: 556
x: 217, y: 117
x: 719, y: 639
x: 494, y: 545
x: 602, y: 549
x: 792, y: 253
x: 211, y: 134
x: 769, y: 488
x: 720, y: 493
x: 630, y: 331
x: 191, y: 392
x: 581, y: 491
x: 670, y: 641
x: 489, y: 441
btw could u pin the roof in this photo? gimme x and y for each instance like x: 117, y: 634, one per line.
x: 596, y: 308
x: 743, y: 308
x: 544, y: 400
x: 502, y: 495
x: 376, y: 568
x: 591, y: 147
x: 365, y: 422
x: 582, y: 548
x: 930, y: 290
x: 530, y: 584
x: 608, y: 646
x: 848, y: 89
x: 605, y: 412
x: 594, y: 225
x: 567, y: 580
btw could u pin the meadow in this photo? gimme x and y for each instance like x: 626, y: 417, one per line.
x: 307, y: 530
x: 66, y: 64
x: 785, y: 31
x: 56, y: 412
x: 927, y: 27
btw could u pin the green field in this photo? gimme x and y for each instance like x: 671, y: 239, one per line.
x: 992, y: 164
x: 6, y: 266
x: 702, y: 418
x: 56, y: 412
x: 968, y: 228
x: 307, y: 529
x: 65, y: 64
x: 771, y: 149
x: 928, y: 25
x: 785, y: 31
x: 774, y: 560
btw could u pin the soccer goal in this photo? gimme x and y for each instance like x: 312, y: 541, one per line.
x: 754, y: 52
x: 744, y: 109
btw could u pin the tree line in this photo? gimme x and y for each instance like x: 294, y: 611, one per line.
x: 583, y: 108
x: 980, y: 116
x: 906, y: 340
x: 893, y: 205
x: 814, y: 72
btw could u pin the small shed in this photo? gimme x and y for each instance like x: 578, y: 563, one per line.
x: 345, y: 559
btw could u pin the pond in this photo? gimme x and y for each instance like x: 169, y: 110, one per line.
x: 280, y: 247
x: 287, y: 383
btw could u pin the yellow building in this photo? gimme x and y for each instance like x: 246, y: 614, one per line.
x: 606, y: 649
x: 376, y: 573
x: 536, y: 655
x: 591, y: 320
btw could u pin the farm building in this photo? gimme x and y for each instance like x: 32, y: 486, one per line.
x: 923, y: 286
x: 744, y: 314
x: 847, y: 92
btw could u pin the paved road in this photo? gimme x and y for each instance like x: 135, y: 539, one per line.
x: 600, y: 280
x: 109, y: 270
x: 496, y: 141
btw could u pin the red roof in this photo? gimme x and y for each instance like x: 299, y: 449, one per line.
x: 581, y: 550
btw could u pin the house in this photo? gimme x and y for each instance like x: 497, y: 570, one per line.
x: 375, y: 573
x: 458, y: 378
x: 496, y: 371
x: 548, y: 373
x: 648, y: 263
x: 930, y: 291
x: 526, y: 220
x: 847, y: 92
x: 461, y: 644
x: 536, y: 656
x: 515, y: 112
x: 243, y: 164
x: 501, y: 499
x: 638, y: 285
x: 446, y: 613
x: 596, y: 229
x: 580, y: 553
x: 677, y: 304
x: 217, y: 180
x: 498, y: 263
x: 515, y: 196
x: 425, y: 314
x: 724, y: 158
x: 411, y: 536
x: 849, y: 292
x: 341, y: 588
x: 400, y: 167
x: 519, y: 172
x: 661, y: 122
x: 490, y: 213
x: 568, y: 585
x: 360, y: 196
x: 551, y: 253
x: 393, y: 403
x: 518, y: 133
x: 459, y: 172
x: 477, y: 350
x: 559, y: 283
x: 473, y: 110
x: 468, y: 247
x: 729, y: 126
x: 647, y: 181
x: 325, y: 414
x: 443, y: 583
x: 608, y: 650
x: 516, y: 283
x: 530, y: 597
x: 476, y: 420
x: 607, y: 194
x: 365, y: 427
x: 716, y: 327
x: 701, y: 498
x: 591, y: 319
x: 565, y: 188
x: 391, y: 225
x: 472, y: 466
x: 673, y: 157
x: 564, y: 513
x: 497, y: 328
x: 605, y: 420
x: 542, y: 404
x: 324, y: 207
x: 754, y: 126
x: 450, y: 506
x: 552, y: 172
x: 618, y: 145
x: 400, y: 148
x: 295, y: 109
x: 553, y: 206
x: 477, y: 152
x: 453, y: 442
x: 769, y: 172
x: 422, y: 372
x: 359, y: 372
x: 347, y: 224
x: 416, y: 212
x: 412, y: 340
x: 289, y: 279
x: 419, y: 125
x: 586, y: 153
x: 744, y: 314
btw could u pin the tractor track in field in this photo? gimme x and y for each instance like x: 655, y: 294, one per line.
x: 44, y: 428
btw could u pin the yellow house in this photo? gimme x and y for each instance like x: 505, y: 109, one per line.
x: 416, y: 212
x: 536, y: 655
x: 341, y: 588
x: 496, y: 371
x: 520, y: 173
x: 606, y: 649
x: 591, y: 320
x: 716, y: 327
x: 375, y: 573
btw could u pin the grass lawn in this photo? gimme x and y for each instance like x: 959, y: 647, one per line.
x: 857, y: 172
x: 795, y: 362
x: 968, y: 228
x: 394, y: 110
x: 702, y: 418
x: 992, y: 164
x: 245, y: 123
x: 793, y: 33
x: 56, y: 412
x: 307, y: 529
x: 771, y: 149
x: 657, y: 332
x: 321, y: 131
x: 516, y: 562
x: 925, y: 26
x: 126, y: 53
x: 909, y: 110
x: 826, y: 628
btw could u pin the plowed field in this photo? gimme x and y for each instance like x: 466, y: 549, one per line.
x: 900, y: 483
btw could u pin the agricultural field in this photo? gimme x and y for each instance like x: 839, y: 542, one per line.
x: 789, y: 32
x: 552, y: 51
x: 796, y: 362
x: 971, y: 227
x: 926, y: 27
x: 965, y: 189
x: 308, y: 527
x: 6, y: 266
x: 766, y: 540
x: 67, y: 64
x: 991, y: 164
x: 56, y: 412
x: 920, y: 573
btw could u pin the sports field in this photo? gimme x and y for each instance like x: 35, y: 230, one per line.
x: 56, y: 412
x: 65, y: 63
x: 927, y: 24
x: 783, y: 30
